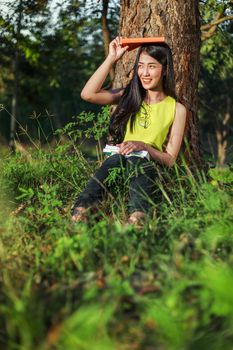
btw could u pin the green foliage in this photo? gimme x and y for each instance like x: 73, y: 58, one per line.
x: 59, y: 47
x: 87, y: 329
x: 222, y: 175
x: 105, y: 284
x: 213, y: 199
x: 87, y: 125
x: 25, y: 172
x: 218, y: 279
x: 167, y: 323
x: 215, y: 83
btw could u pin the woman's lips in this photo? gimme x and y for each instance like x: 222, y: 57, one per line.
x: 146, y: 81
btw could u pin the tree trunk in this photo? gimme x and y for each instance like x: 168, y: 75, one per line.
x: 222, y: 133
x: 15, y: 69
x: 178, y: 22
x: 105, y: 32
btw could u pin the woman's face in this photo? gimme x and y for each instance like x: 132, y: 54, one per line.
x: 150, y: 72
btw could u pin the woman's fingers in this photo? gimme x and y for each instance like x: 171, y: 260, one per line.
x: 126, y: 147
x: 115, y: 48
x: 130, y: 146
x: 115, y: 42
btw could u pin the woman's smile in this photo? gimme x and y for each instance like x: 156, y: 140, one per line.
x: 146, y: 80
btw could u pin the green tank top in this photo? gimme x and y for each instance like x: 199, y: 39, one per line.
x: 152, y: 123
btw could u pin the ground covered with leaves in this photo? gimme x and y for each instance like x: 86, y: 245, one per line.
x: 106, y: 285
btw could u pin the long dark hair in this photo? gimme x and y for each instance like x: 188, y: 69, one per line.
x: 134, y: 92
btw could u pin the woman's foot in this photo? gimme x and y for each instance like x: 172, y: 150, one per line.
x: 79, y: 214
x: 136, y: 218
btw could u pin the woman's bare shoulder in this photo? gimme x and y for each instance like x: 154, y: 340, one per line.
x: 180, y: 108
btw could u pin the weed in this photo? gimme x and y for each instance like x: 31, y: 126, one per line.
x: 104, y: 284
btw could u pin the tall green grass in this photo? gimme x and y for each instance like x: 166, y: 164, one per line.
x: 105, y: 284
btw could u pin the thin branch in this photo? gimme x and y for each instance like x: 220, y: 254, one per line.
x: 216, y: 22
x: 212, y: 27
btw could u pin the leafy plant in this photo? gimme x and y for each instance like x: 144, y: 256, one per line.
x: 87, y: 125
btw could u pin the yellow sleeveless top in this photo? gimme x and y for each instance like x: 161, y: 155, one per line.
x: 152, y: 123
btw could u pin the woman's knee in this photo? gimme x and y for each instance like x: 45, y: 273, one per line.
x: 116, y: 160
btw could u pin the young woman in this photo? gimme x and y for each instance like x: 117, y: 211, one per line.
x: 146, y: 116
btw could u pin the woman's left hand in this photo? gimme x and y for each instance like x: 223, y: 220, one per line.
x: 131, y: 146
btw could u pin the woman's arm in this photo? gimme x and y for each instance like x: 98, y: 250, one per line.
x: 168, y: 157
x: 177, y: 132
x: 92, y: 91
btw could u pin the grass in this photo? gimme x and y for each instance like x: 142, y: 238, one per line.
x: 104, y: 284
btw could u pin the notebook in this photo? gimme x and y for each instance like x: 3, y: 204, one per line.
x: 133, y: 43
x: 109, y: 150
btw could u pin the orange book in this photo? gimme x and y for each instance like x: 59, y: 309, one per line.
x: 133, y: 43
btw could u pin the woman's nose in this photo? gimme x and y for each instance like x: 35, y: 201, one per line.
x: 145, y: 71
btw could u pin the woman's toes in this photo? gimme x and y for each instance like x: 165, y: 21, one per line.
x: 79, y: 214
x: 136, y: 218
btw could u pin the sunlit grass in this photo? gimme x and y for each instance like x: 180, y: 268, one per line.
x: 105, y: 284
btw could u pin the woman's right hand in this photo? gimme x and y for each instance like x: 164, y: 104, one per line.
x: 116, y: 51
x: 93, y: 91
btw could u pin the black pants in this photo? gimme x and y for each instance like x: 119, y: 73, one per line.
x: 139, y: 174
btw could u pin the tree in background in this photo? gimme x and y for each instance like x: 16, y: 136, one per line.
x: 55, y: 57
x: 108, y: 10
x: 79, y: 46
x: 18, y: 26
x: 216, y: 81
x: 179, y: 22
x: 214, y: 13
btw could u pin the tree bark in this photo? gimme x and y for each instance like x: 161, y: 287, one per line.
x: 15, y: 70
x: 178, y: 22
x: 222, y: 133
x: 105, y: 32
